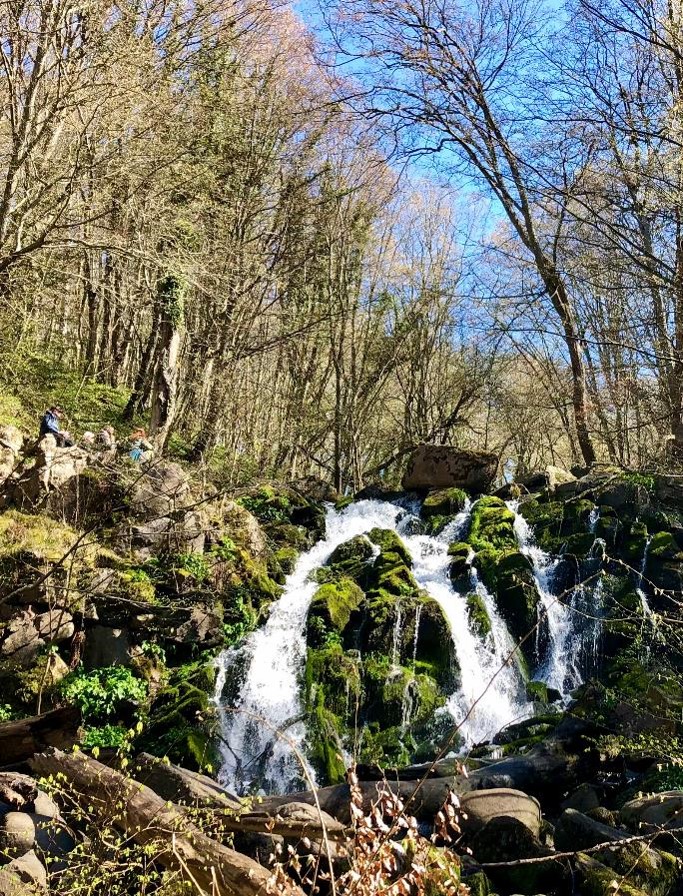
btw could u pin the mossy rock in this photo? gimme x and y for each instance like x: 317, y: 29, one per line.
x: 440, y: 506
x: 492, y: 525
x: 560, y: 525
x: 459, y: 568
x: 287, y: 557
x: 289, y: 536
x: 388, y: 540
x: 598, y: 880
x: 478, y: 615
x: 181, y: 724
x: 509, y: 577
x: 633, y: 544
x: 331, y: 609
x: 663, y: 546
x: 351, y: 558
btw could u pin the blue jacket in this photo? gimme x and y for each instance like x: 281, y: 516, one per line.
x: 49, y: 424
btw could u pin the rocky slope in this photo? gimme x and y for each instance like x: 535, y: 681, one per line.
x: 121, y: 583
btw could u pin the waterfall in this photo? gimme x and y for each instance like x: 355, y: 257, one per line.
x: 273, y: 657
x: 479, y: 661
x: 647, y: 611
x: 265, y: 671
x: 573, y: 623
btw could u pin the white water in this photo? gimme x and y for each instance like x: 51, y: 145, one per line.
x: 573, y: 621
x: 647, y: 610
x: 268, y: 666
x: 479, y: 661
x: 274, y: 656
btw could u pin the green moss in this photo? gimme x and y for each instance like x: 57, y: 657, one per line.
x: 664, y: 547
x: 537, y: 691
x: 342, y: 503
x: 459, y: 567
x: 287, y: 557
x: 492, y: 525
x: 333, y: 605
x: 443, y: 503
x: 351, y: 558
x: 181, y: 723
x: 478, y: 615
x: 388, y: 541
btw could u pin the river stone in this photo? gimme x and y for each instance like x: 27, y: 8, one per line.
x: 481, y: 806
x: 29, y: 869
x: 661, y: 809
x: 17, y: 790
x: 45, y: 805
x: 17, y: 833
x: 584, y: 799
x: 574, y: 830
x: 52, y: 837
x: 441, y: 466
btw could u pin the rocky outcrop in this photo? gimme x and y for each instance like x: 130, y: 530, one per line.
x: 441, y: 466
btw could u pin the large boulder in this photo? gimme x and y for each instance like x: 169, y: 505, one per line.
x: 161, y: 489
x: 659, y: 810
x: 53, y: 469
x: 441, y: 466
x: 481, y: 806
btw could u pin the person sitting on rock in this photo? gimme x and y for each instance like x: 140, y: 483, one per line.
x: 106, y: 438
x: 88, y: 440
x: 49, y: 426
x: 139, y: 447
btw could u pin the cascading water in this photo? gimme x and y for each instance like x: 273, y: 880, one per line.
x: 647, y: 611
x: 273, y: 657
x: 573, y: 623
x: 265, y: 671
x: 479, y: 660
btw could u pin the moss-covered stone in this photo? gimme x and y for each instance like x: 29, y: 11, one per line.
x: 439, y: 508
x: 351, y: 558
x: 509, y: 577
x: 663, y: 546
x: 477, y: 613
x: 459, y: 568
x: 388, y: 541
x: 492, y: 525
x: 181, y: 723
x: 331, y: 609
x: 287, y: 557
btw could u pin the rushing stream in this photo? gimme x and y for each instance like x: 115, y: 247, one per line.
x: 269, y: 663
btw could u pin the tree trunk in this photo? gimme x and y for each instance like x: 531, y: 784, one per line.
x: 21, y: 739
x: 149, y: 819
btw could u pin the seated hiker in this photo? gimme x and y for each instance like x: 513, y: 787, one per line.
x: 139, y: 447
x: 49, y: 426
x: 88, y: 440
x: 106, y: 438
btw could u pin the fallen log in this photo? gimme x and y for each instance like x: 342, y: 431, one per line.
x: 147, y: 818
x: 20, y: 739
x: 293, y: 820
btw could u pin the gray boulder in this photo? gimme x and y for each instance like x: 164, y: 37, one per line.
x: 481, y: 806
x: 659, y: 809
x: 17, y: 833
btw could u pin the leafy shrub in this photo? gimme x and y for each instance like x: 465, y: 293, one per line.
x: 100, y: 693
x: 105, y: 736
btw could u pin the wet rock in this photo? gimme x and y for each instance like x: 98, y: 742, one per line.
x: 21, y: 642
x: 440, y: 466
